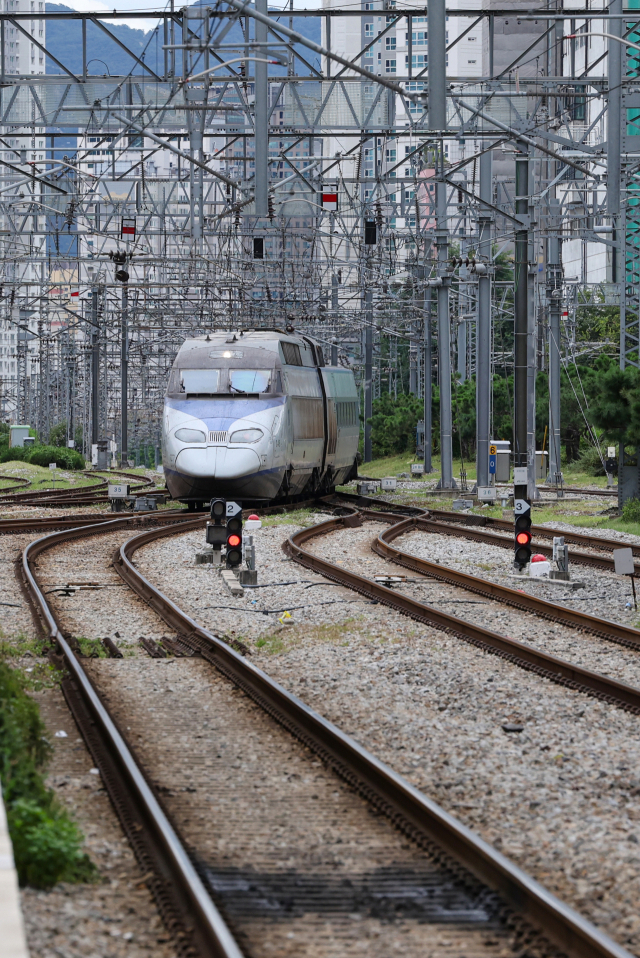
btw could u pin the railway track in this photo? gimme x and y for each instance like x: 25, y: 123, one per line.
x: 452, y: 853
x: 526, y: 656
x: 603, y: 628
x: 572, y: 537
x: 81, y: 495
x: 475, y: 528
x: 477, y: 534
x: 19, y: 483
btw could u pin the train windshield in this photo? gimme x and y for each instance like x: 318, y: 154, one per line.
x: 250, y: 380
x: 203, y: 381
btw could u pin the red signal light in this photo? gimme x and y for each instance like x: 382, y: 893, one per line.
x: 523, y: 538
x: 233, y: 541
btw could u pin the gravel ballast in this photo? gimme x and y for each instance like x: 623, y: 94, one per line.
x: 116, y: 917
x: 559, y: 797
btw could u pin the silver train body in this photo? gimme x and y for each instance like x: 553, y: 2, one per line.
x: 257, y: 415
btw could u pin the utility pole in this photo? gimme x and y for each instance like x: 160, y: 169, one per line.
x: 554, y: 296
x: 261, y: 115
x: 483, y: 329
x: 124, y: 374
x: 522, y: 505
x: 437, y: 79
x: 531, y: 339
x: 428, y: 398
x: 95, y: 369
x: 368, y: 372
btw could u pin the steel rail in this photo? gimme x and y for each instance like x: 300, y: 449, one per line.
x: 27, y: 497
x: 410, y: 810
x: 21, y: 483
x: 570, y: 536
x: 76, y: 493
x: 579, y: 491
x: 187, y: 908
x: 42, y: 523
x: 603, y: 628
x: 504, y: 542
x: 526, y: 656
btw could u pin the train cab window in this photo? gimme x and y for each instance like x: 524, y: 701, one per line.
x: 199, y: 381
x: 250, y: 380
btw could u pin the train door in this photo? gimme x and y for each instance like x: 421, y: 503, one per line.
x: 332, y: 427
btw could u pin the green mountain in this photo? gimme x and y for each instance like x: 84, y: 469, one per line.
x: 106, y: 58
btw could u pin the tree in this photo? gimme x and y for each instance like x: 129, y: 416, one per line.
x: 616, y: 406
x: 393, y: 424
x: 58, y: 434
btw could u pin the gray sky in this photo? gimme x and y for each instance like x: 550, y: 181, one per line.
x: 96, y: 6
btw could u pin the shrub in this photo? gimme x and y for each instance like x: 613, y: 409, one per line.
x: 590, y: 462
x: 46, y: 842
x: 43, y: 455
x: 631, y: 510
x: 18, y: 453
x: 63, y: 457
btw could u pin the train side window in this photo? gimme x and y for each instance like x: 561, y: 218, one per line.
x: 291, y: 354
x: 347, y: 413
x: 250, y: 380
x: 278, y: 382
x: 199, y: 381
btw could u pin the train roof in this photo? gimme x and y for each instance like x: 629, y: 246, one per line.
x: 268, y: 339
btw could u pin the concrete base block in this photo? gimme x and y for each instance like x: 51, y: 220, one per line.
x: 248, y: 576
x: 204, y: 557
x: 231, y: 582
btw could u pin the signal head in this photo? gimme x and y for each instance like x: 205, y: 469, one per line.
x: 234, y: 540
x: 218, y: 509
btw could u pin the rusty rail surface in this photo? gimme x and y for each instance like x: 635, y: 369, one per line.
x: 538, y: 532
x: 603, y: 628
x: 477, y: 534
x: 41, y: 524
x: 72, y: 496
x: 187, y: 909
x: 409, y: 809
x: 528, y: 657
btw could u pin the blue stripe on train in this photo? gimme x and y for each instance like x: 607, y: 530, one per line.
x: 222, y: 413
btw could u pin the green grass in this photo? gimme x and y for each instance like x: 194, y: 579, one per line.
x: 393, y: 465
x: 92, y: 648
x: 292, y: 636
x: 41, y: 478
x: 299, y: 517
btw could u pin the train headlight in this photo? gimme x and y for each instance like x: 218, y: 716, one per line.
x: 247, y: 435
x: 190, y: 435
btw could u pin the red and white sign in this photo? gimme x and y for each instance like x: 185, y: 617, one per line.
x: 128, y: 226
x: 330, y: 202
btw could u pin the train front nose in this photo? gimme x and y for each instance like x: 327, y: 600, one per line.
x: 217, y: 462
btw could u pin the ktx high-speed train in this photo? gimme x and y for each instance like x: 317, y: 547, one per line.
x: 256, y: 414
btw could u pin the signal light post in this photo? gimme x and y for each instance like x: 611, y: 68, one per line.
x: 217, y: 528
x: 234, y: 540
x: 523, y: 533
x: 521, y: 502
